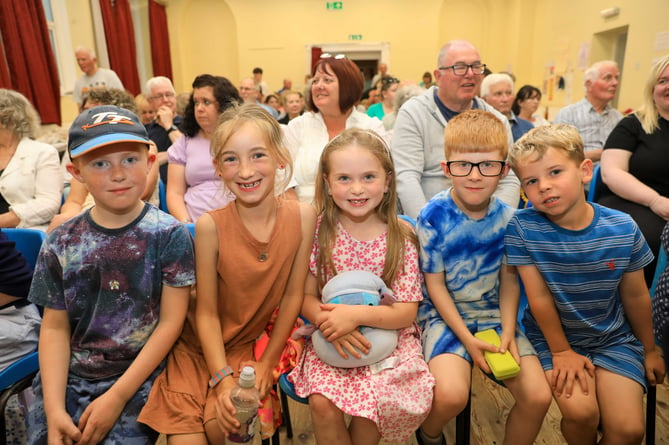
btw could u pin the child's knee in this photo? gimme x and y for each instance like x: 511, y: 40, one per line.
x: 450, y: 398
x: 584, y: 416
x: 538, y: 400
x: 322, y: 408
x: 627, y: 432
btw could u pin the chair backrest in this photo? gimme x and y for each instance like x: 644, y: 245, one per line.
x: 162, y: 196
x: 191, y: 228
x: 659, y: 268
x: 595, y: 184
x: 28, y: 242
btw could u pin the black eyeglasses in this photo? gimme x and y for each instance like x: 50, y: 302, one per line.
x: 460, y: 69
x: 486, y: 168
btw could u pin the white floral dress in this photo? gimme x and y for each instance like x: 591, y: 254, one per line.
x: 398, y: 397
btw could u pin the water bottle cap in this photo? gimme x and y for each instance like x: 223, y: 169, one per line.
x: 247, y: 378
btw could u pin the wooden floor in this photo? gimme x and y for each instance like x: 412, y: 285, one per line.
x: 490, y: 405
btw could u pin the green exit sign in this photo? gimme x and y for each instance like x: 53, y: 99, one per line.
x: 355, y: 36
x: 331, y: 6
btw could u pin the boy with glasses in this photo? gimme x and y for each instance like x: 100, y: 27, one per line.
x: 468, y: 289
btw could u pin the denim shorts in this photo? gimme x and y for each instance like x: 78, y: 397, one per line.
x: 79, y: 394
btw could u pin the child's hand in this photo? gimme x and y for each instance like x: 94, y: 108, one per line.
x: 225, y: 412
x: 569, y: 366
x: 99, y: 417
x: 654, y: 367
x: 353, y: 344
x: 475, y: 348
x: 337, y: 320
x: 61, y: 430
x: 264, y: 376
x: 508, y: 343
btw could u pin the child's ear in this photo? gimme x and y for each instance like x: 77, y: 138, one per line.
x: 215, y: 164
x: 586, y: 168
x: 74, y: 171
x: 505, y: 170
x: 445, y: 169
x: 326, y: 184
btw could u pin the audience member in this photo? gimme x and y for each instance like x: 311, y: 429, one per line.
x: 273, y: 101
x: 390, y: 398
x: 93, y: 77
x: 19, y: 320
x: 114, y: 283
x: 164, y: 129
x: 78, y: 199
x: 427, y: 80
x: 380, y: 74
x: 250, y: 94
x: 261, y: 85
x: 635, y: 161
x: 287, y: 86
x: 386, y: 105
x: 593, y: 116
x: 497, y: 90
x: 589, y: 316
x: 194, y: 187
x: 293, y: 105
x: 31, y: 182
x: 145, y: 110
x: 661, y: 302
x: 403, y: 94
x: 418, y: 137
x: 251, y: 257
x: 468, y: 288
x: 182, y: 102
x: 526, y: 104
x: 335, y: 89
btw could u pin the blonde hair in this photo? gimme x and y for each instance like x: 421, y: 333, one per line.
x: 647, y: 112
x: 18, y: 115
x: 398, y: 232
x: 475, y: 131
x: 232, y: 119
x: 537, y: 141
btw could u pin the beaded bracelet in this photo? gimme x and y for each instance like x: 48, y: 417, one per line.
x: 220, y: 375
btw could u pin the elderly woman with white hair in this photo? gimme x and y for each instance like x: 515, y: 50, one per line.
x: 31, y: 181
x: 635, y: 162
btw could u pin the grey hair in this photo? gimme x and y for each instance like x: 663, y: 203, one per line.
x: 87, y: 50
x: 154, y: 82
x: 592, y: 73
x: 494, y: 79
x: 18, y: 115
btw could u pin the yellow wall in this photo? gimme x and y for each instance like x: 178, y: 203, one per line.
x: 230, y: 37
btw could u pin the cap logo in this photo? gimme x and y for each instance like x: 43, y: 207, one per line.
x: 108, y: 117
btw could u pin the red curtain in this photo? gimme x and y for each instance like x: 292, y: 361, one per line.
x: 120, y: 37
x: 316, y: 52
x: 28, y: 64
x: 160, y: 40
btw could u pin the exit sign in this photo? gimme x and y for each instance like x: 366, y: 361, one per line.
x: 355, y: 36
x: 331, y: 6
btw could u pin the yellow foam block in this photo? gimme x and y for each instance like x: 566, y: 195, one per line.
x: 503, y: 366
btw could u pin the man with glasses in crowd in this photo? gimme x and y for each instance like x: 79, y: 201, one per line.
x: 164, y: 130
x: 418, y: 139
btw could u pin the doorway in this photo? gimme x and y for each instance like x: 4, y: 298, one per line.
x: 610, y: 45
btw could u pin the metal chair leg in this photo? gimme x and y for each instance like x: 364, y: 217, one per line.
x: 463, y: 423
x: 651, y: 398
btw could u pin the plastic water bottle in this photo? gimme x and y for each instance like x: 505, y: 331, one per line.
x: 245, y: 399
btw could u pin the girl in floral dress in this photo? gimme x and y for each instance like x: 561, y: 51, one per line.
x: 357, y: 230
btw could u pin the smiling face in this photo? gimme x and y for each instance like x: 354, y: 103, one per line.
x: 472, y: 192
x: 661, y: 93
x: 457, y: 92
x: 325, y: 90
x: 114, y: 175
x: 356, y: 182
x: 247, y: 167
x: 554, y: 183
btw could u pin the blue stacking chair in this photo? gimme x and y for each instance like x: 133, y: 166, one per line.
x: 162, y: 196
x: 595, y: 184
x: 19, y: 375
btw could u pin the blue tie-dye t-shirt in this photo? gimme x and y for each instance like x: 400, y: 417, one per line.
x: 468, y: 251
x: 110, y: 281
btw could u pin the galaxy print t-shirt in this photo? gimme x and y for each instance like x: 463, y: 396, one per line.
x: 110, y: 281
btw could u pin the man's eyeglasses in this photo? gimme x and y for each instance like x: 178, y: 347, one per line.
x: 165, y: 96
x: 389, y: 80
x: 330, y: 56
x: 460, y: 69
x: 486, y: 168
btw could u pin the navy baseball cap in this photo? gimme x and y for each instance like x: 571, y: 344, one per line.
x: 104, y: 125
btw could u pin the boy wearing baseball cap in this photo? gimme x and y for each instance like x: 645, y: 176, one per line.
x: 114, y: 283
